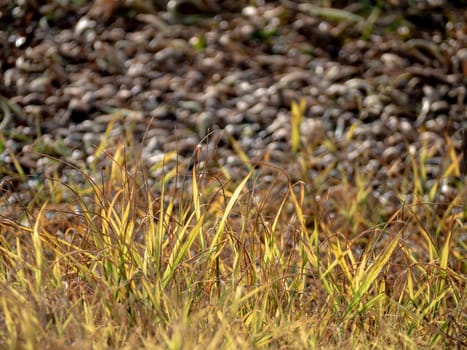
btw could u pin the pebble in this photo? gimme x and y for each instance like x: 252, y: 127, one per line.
x: 242, y: 84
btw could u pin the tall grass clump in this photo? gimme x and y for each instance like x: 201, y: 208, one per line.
x: 190, y: 257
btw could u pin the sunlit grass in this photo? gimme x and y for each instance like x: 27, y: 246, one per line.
x: 296, y: 113
x: 125, y: 260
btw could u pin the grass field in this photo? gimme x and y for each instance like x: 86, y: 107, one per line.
x: 186, y: 256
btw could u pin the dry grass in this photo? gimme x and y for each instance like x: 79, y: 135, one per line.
x: 196, y: 259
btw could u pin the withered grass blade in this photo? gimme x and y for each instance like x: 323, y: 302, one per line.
x: 464, y: 152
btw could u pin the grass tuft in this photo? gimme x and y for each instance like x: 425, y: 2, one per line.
x: 121, y: 259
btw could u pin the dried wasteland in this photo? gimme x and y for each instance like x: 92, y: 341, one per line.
x: 300, y: 145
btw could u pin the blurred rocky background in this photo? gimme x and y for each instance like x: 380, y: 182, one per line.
x: 382, y: 80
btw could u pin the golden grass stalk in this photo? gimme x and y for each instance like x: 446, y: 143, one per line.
x: 297, y: 112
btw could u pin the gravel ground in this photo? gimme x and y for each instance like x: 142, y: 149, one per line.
x: 172, y: 75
